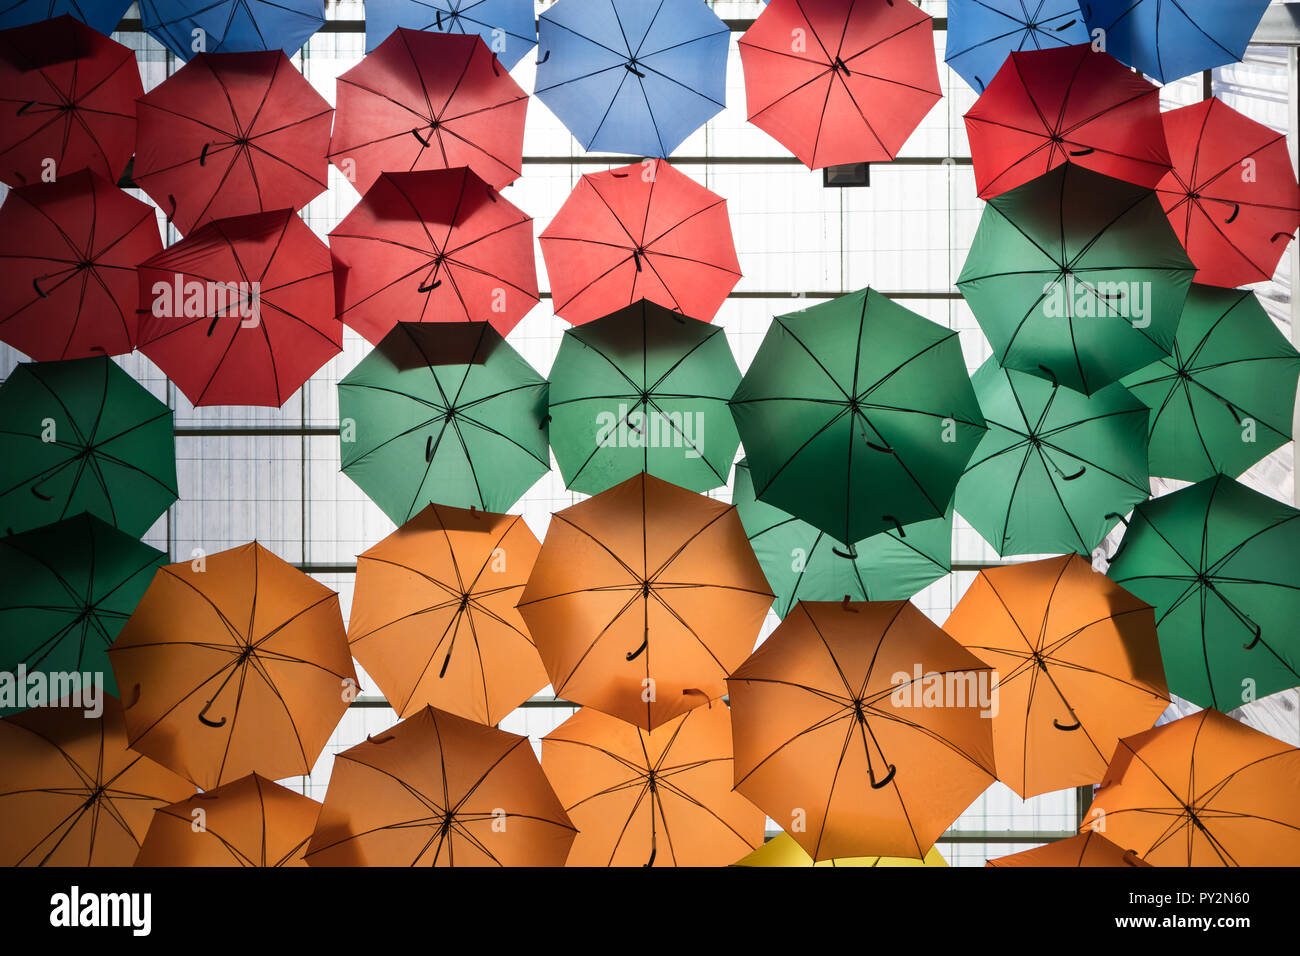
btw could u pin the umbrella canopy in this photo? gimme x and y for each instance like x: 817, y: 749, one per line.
x: 859, y: 729
x: 631, y: 77
x: 69, y: 251
x: 230, y: 134
x: 840, y: 81
x: 1231, y: 195
x: 651, y: 798
x: 443, y: 414
x: 187, y: 27
x: 241, y: 311
x: 1086, y: 849
x: 429, y: 101
x: 1076, y: 277
x: 643, y: 599
x: 83, y: 435
x: 1217, y: 562
x: 72, y: 794
x: 255, y: 680
x: 506, y: 26
x: 981, y: 35
x: 1056, y: 469
x: 434, y: 619
x: 864, y: 401
x: 1066, y: 105
x: 433, y: 246
x: 439, y: 790
x: 644, y: 389
x: 1204, y: 790
x: 67, y: 102
x: 782, y: 851
x: 644, y: 231
x: 101, y: 15
x: 1226, y: 397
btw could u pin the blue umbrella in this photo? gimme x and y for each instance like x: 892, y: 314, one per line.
x: 101, y: 15
x: 506, y: 26
x: 231, y: 26
x: 983, y: 33
x: 1170, y: 39
x: 632, y: 76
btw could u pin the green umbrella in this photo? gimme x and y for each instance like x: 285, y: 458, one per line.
x: 1077, y: 277
x: 65, y: 591
x: 1218, y: 563
x: 1226, y: 396
x: 804, y: 564
x: 443, y: 413
x: 83, y: 436
x: 1056, y: 469
x: 643, y: 389
x: 857, y: 416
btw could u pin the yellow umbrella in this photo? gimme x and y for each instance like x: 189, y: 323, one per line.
x: 782, y: 850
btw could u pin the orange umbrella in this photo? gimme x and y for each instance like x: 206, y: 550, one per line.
x: 251, y: 821
x: 439, y: 790
x: 783, y: 851
x: 1202, y: 791
x: 1078, y: 667
x: 858, y: 729
x: 661, y: 797
x: 234, y: 663
x: 71, y: 793
x: 434, y: 619
x: 1086, y: 849
x: 643, y: 599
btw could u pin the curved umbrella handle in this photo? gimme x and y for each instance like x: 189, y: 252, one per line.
x: 1131, y: 858
x: 1280, y: 235
x: 204, y: 719
x: 416, y: 134
x: 544, y: 57
x: 851, y: 554
x: 631, y: 68
x: 38, y: 494
x: 1086, y: 151
x: 1059, y: 726
x: 883, y: 449
x: 636, y: 258
x: 881, y: 784
x: 898, y: 525
x: 645, y: 642
x: 844, y: 605
x: 1066, y: 25
x: 36, y: 284
x: 445, y: 661
x: 1076, y: 476
x: 1236, y: 211
x: 430, y: 287
x: 1052, y: 375
x: 379, y: 740
x: 203, y: 156
x: 1259, y: 632
x: 428, y: 449
x: 25, y: 107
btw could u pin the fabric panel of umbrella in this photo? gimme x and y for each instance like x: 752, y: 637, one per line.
x: 1086, y: 849
x: 508, y: 27
x: 783, y: 851
x: 101, y: 15
x: 187, y: 27
x: 981, y: 35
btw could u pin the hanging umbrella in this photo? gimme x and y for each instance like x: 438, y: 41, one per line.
x: 650, y: 798
x: 626, y: 76
x: 429, y: 101
x: 1226, y: 397
x: 1076, y: 277
x: 83, y: 435
x: 443, y: 414
x: 1232, y: 195
x: 434, y: 619
x: 1086, y: 849
x: 1217, y: 562
x: 439, y: 790
x: 804, y: 564
x: 72, y: 794
x: 506, y: 26
x: 67, y: 102
x: 69, y: 251
x: 643, y: 389
x: 100, y: 15
x: 644, y: 231
x: 65, y: 591
x: 1045, y: 108
x: 782, y: 851
x: 1204, y: 790
x: 859, y: 729
x: 230, y: 134
x: 981, y: 35
x: 234, y: 663
x: 433, y: 246
x: 857, y: 416
x: 187, y: 27
x: 643, y: 599
x: 241, y: 311
x: 1056, y: 469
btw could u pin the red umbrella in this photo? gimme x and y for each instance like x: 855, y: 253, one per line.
x: 67, y: 97
x: 230, y: 134
x: 241, y: 311
x: 840, y: 81
x: 433, y: 246
x: 644, y: 231
x: 429, y: 101
x: 1065, y: 105
x: 1232, y: 195
x: 69, y: 251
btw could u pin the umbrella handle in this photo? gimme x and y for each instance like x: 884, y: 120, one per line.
x: 25, y: 107
x: 645, y: 642
x: 880, y: 785
x: 210, y: 723
x: 1086, y: 151
x: 1123, y: 541
x: 416, y: 134
x: 898, y: 525
x: 1059, y: 726
x: 633, y: 70
x: 545, y: 56
x: 1279, y: 235
x: 171, y: 215
x: 430, y: 287
x: 1050, y: 374
x: 203, y: 156
x: 379, y: 740
x: 883, y: 449
x: 1259, y: 632
x: 428, y: 450
x: 844, y: 605
x: 39, y: 495
x: 1065, y: 26
x: 1236, y: 211
x: 36, y: 284
x: 696, y: 690
x: 445, y: 661
x: 1131, y: 858
x: 1074, y: 477
x: 851, y: 554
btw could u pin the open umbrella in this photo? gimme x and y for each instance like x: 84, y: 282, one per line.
x: 840, y: 81
x: 643, y: 599
x: 857, y: 416
x: 439, y: 790
x: 506, y: 26
x: 234, y: 663
x: 187, y: 27
x: 783, y: 851
x: 443, y: 414
x: 1226, y: 396
x: 1086, y: 849
x: 101, y: 15
x: 1217, y: 562
x: 1076, y: 277
x: 644, y: 231
x: 69, y: 251
x: 982, y: 34
x: 83, y: 435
